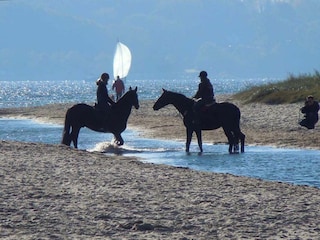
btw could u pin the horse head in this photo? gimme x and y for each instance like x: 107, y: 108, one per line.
x: 180, y: 101
x: 134, y: 97
x: 163, y: 100
x: 129, y: 99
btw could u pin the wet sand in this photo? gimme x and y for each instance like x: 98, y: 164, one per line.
x: 57, y: 192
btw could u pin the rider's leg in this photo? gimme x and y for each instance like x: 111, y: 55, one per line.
x: 196, y: 110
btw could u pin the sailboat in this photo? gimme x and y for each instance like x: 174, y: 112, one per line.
x: 121, y: 61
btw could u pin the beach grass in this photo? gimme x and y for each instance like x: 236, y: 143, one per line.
x: 294, y: 89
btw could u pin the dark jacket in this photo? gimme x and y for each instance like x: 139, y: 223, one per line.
x: 314, y: 108
x: 311, y: 115
x: 205, y: 91
x: 103, y: 99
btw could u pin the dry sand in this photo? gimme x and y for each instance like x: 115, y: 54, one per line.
x: 56, y: 192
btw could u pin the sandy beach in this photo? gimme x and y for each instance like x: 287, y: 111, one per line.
x: 57, y: 192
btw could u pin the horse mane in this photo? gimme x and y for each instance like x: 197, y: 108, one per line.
x: 125, y: 99
x: 124, y: 96
x: 181, y: 96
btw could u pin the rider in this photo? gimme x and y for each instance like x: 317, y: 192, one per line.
x: 204, y: 95
x: 310, y: 110
x: 104, y: 102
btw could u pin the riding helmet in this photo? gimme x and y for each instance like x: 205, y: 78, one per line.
x: 203, y: 74
x: 104, y: 76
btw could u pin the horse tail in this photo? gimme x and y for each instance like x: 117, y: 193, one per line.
x: 66, y: 137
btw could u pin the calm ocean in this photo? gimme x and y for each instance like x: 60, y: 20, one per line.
x: 298, y: 166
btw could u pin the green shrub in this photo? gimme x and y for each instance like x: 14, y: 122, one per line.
x: 293, y: 89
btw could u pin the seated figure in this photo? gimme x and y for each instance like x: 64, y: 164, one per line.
x: 310, y: 111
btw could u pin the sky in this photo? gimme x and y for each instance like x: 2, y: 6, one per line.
x: 76, y: 39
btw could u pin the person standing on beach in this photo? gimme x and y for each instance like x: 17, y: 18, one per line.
x: 104, y: 102
x: 118, y: 86
x: 310, y: 111
x: 204, y: 95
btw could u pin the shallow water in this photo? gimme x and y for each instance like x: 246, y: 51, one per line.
x: 297, y: 166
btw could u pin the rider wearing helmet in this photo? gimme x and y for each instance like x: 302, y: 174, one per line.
x: 204, y: 95
x: 205, y: 89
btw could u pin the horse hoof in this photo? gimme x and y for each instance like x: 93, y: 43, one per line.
x: 119, y: 143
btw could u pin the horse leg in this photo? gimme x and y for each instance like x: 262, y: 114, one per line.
x: 242, y: 140
x: 118, y: 139
x: 189, y: 137
x: 235, y: 144
x: 199, y: 138
x: 231, y: 139
x: 239, y: 135
x: 74, y: 136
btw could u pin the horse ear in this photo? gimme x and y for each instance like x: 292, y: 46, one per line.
x: 130, y: 88
x: 136, y: 89
x: 164, y: 90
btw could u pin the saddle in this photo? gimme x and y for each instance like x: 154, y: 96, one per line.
x: 207, y: 106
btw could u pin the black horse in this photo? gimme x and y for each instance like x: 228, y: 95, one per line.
x: 83, y: 115
x: 225, y: 115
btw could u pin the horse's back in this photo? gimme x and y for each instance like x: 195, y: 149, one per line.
x: 224, y: 114
x: 80, y: 111
x: 229, y: 105
x: 225, y: 110
x: 233, y: 107
x: 81, y: 106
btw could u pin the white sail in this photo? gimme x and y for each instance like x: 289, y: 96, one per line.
x: 121, y: 61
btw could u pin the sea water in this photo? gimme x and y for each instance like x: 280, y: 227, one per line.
x: 34, y: 93
x: 296, y: 166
